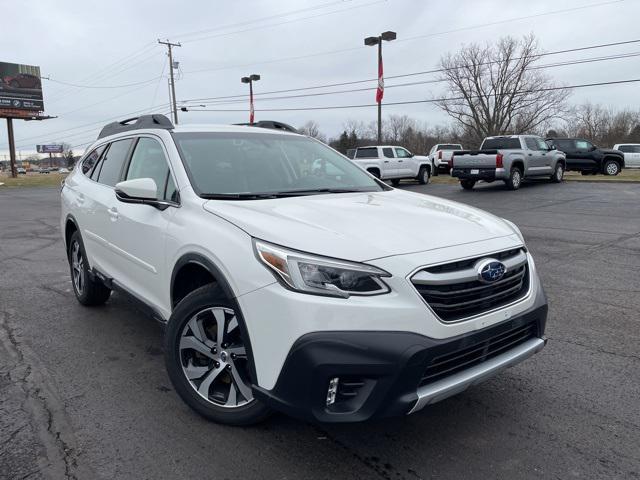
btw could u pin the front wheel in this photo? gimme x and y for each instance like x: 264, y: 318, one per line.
x: 558, y: 174
x: 515, y: 179
x: 611, y: 167
x: 423, y: 176
x: 207, y: 360
x: 467, y: 184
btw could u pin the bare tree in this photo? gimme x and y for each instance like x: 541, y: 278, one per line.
x: 312, y: 129
x: 496, y: 89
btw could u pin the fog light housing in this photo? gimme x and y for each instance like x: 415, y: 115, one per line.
x: 332, y: 391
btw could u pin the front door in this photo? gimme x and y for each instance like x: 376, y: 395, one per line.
x: 141, y: 229
x: 405, y: 163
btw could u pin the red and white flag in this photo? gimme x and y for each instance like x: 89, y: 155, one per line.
x: 251, y: 112
x: 380, y: 90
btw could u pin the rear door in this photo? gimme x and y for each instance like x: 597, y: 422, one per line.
x: 140, y: 238
x: 101, y: 226
x: 389, y: 162
x: 568, y: 148
x: 535, y: 159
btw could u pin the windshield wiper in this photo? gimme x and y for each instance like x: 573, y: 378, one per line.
x: 237, y: 196
x: 312, y: 191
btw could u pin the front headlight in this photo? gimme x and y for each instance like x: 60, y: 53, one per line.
x: 320, y: 275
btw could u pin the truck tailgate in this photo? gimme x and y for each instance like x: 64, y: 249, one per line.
x: 475, y: 159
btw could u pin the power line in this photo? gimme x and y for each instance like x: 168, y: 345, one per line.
x: 424, y: 72
x: 262, y: 19
x: 144, y: 82
x: 410, y: 102
x: 295, y: 20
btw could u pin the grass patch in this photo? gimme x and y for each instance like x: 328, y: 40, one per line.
x: 33, y: 180
x: 627, y: 175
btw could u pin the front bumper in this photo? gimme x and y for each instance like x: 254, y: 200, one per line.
x: 486, y: 174
x: 383, y: 373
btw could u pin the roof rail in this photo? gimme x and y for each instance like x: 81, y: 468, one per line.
x: 137, y: 123
x: 271, y: 124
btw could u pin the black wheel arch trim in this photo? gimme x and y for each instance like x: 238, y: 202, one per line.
x: 72, y: 219
x: 220, y: 278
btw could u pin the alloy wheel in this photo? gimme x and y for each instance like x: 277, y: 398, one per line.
x: 516, y: 178
x: 77, y: 267
x: 559, y: 173
x: 612, y: 168
x: 214, y: 358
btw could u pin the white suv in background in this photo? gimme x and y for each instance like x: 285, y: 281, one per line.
x: 387, y: 162
x: 290, y: 279
x: 631, y: 153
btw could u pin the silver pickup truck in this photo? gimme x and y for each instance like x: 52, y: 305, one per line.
x: 511, y: 159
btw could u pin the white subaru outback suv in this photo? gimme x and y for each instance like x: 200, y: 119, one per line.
x: 290, y: 279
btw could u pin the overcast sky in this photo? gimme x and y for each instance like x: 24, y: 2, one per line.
x: 291, y: 44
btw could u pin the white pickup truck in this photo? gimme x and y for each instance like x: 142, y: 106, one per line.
x: 394, y: 163
x: 440, y: 154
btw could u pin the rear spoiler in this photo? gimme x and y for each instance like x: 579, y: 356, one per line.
x: 475, y: 152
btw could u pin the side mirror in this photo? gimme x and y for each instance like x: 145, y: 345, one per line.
x: 140, y: 190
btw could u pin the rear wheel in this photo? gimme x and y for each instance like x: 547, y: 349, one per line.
x: 395, y: 182
x: 423, y: 175
x: 207, y: 361
x: 467, y: 184
x: 515, y: 179
x: 558, y: 174
x: 89, y: 291
x: 611, y: 167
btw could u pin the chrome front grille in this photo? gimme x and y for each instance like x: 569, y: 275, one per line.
x: 454, y: 291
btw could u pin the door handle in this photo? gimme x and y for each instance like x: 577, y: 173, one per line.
x: 530, y: 154
x: 400, y: 161
x: 80, y: 198
x: 113, y: 213
x: 386, y: 161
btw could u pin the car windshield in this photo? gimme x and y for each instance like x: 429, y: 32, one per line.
x: 262, y: 165
x: 501, y: 143
x: 450, y: 147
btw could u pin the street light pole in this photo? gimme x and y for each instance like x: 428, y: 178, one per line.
x: 371, y: 41
x: 250, y: 79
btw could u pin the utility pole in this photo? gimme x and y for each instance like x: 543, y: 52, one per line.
x: 174, y: 109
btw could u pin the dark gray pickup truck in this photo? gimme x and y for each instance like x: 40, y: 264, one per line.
x: 511, y: 159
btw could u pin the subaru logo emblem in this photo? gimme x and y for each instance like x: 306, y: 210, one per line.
x: 490, y: 270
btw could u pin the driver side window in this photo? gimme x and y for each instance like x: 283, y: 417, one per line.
x: 583, y: 145
x: 402, y: 153
x: 148, y: 161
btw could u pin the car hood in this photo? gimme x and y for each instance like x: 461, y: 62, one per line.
x: 610, y: 150
x: 361, y: 226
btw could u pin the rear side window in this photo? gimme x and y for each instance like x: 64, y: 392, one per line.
x: 148, y: 161
x: 90, y: 161
x: 582, y: 145
x: 626, y: 148
x: 504, y: 143
x: 367, y: 152
x: 113, y: 161
x: 387, y: 152
x: 563, y: 145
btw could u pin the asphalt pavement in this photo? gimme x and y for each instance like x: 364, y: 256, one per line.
x: 84, y: 393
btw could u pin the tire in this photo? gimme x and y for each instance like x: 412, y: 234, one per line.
x: 88, y: 290
x: 423, y: 175
x: 611, y: 167
x: 515, y: 179
x: 395, y: 182
x: 467, y: 184
x: 219, y: 384
x: 558, y: 173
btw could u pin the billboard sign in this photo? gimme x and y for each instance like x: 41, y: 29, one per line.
x: 49, y: 148
x: 20, y: 87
